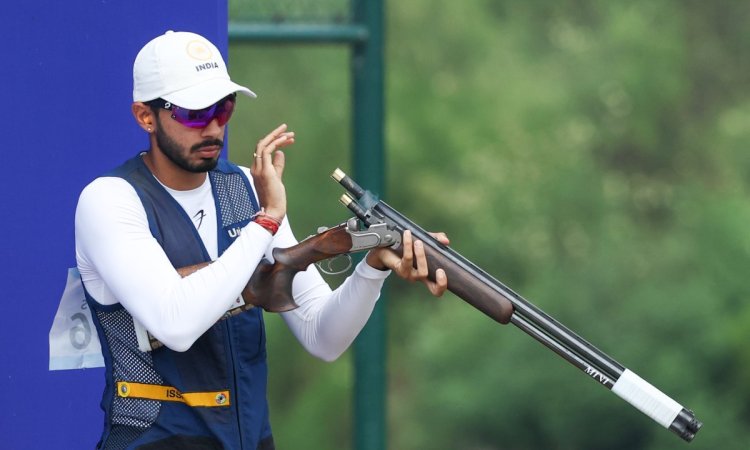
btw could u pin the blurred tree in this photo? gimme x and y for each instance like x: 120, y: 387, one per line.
x: 591, y: 155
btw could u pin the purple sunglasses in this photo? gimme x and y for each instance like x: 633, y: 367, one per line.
x: 200, y: 118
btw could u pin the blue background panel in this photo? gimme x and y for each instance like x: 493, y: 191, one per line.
x: 66, y: 92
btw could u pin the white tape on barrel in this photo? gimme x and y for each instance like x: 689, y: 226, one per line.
x: 646, y: 398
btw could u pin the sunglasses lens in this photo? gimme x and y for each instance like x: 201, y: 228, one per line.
x: 200, y: 118
x: 224, y: 110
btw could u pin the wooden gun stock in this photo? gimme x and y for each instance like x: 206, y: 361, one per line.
x: 270, y: 286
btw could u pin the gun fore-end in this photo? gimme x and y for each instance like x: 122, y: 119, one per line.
x: 468, y: 288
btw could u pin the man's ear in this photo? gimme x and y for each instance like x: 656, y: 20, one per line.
x: 144, y: 116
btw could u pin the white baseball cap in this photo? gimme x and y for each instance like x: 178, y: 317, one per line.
x: 184, y: 69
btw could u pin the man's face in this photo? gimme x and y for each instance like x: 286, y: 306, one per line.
x: 191, y: 149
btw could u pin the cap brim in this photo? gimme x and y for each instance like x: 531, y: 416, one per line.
x: 206, y: 94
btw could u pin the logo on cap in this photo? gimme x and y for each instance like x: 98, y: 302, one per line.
x: 199, y: 50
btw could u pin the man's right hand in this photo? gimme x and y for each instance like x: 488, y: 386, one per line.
x: 267, y: 169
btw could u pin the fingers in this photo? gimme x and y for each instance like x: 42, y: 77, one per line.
x: 263, y: 158
x: 441, y: 237
x: 405, y: 267
x: 412, y: 265
x: 440, y: 285
x: 263, y: 152
x: 267, y: 170
x: 272, y: 135
x: 421, y: 258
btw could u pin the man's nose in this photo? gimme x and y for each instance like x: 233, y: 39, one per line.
x: 212, y: 129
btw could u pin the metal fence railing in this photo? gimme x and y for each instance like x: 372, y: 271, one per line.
x: 291, y: 11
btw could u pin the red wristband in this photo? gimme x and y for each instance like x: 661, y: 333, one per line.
x: 269, y: 224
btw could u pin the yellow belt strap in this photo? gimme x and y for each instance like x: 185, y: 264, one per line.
x: 127, y: 389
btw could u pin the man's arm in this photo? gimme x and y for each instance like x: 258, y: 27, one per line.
x: 120, y: 261
x: 326, y: 323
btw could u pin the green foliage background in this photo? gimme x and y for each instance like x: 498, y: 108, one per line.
x: 591, y: 155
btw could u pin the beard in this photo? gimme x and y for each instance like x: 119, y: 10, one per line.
x: 178, y: 154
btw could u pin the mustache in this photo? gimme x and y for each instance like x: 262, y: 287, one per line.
x: 208, y: 143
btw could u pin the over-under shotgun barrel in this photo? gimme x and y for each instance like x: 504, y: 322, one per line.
x: 492, y: 297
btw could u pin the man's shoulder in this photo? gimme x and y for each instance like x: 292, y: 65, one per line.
x: 127, y: 167
x: 106, y: 189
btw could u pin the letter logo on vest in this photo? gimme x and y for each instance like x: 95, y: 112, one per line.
x: 173, y: 393
x: 234, y: 232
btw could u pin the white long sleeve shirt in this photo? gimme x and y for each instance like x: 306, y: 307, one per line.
x: 121, y: 262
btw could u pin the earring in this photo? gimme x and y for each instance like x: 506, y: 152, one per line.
x: 149, y: 129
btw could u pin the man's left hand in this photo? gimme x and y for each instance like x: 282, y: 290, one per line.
x: 404, y: 266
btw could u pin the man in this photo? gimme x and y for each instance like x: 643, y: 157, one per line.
x: 143, y: 229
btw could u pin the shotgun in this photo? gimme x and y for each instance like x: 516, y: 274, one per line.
x: 496, y: 300
x: 378, y: 225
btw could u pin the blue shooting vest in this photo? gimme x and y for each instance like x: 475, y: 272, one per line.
x: 213, y: 395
